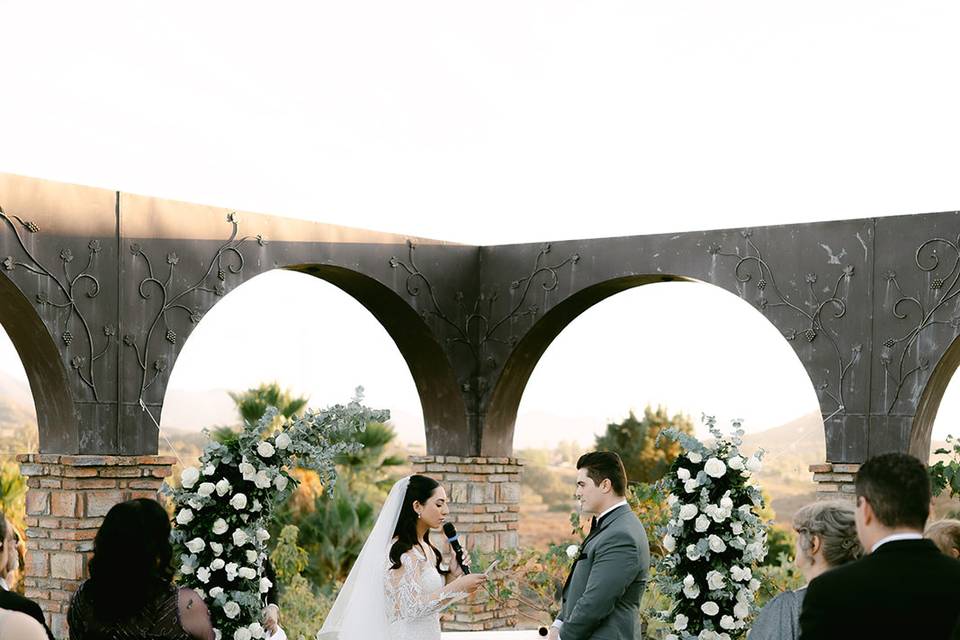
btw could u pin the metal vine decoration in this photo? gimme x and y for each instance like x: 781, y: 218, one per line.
x: 228, y: 258
x: 944, y: 288
x: 67, y: 301
x: 475, y: 326
x: 770, y: 296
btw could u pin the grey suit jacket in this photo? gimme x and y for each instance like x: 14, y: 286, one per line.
x: 601, y: 600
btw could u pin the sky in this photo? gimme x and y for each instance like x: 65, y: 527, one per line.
x: 494, y: 123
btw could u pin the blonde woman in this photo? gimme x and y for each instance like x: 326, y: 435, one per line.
x: 946, y: 535
x: 826, y: 538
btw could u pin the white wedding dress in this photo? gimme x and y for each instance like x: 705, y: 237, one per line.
x: 381, y: 603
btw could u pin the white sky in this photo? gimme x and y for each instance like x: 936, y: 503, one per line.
x: 498, y: 122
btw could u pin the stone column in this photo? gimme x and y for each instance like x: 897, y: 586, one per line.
x: 485, y: 506
x: 835, y: 480
x: 67, y: 497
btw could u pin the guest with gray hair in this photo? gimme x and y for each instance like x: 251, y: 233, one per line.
x: 826, y: 538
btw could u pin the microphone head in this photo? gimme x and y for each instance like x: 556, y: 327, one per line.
x: 449, y: 530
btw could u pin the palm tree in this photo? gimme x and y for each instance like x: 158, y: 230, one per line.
x: 253, y: 403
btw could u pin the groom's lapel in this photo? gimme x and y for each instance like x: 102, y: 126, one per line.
x: 604, y: 523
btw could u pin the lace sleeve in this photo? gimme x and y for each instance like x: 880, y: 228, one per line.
x: 408, y: 595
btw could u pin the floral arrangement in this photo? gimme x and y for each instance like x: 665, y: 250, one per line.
x: 714, y: 539
x: 223, y: 507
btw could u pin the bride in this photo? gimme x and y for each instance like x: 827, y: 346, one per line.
x: 398, y: 586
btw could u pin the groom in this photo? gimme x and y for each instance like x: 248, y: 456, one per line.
x: 601, y: 598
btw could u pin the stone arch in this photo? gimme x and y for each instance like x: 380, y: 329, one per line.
x: 57, y: 422
x: 922, y: 428
x: 505, y: 400
x: 442, y: 404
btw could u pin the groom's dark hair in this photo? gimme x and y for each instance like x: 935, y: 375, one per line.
x: 898, y: 489
x: 605, y: 465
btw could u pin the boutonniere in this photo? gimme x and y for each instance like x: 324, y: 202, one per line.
x: 573, y: 551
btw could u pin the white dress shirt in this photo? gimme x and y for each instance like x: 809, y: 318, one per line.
x: 896, y: 536
x: 558, y: 623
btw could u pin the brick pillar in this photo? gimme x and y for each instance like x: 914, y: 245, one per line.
x: 484, y: 498
x: 835, y: 480
x: 67, y: 497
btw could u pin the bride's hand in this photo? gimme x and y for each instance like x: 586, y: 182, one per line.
x: 470, y: 582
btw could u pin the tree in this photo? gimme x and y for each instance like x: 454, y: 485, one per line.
x: 645, y: 457
x: 253, y: 403
x: 367, y: 470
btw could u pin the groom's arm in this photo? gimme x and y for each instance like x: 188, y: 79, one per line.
x: 615, y: 566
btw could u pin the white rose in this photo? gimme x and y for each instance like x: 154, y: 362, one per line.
x: 189, y: 477
x: 247, y: 573
x: 240, y: 537
x: 754, y: 584
x: 669, y: 543
x: 231, y: 609
x: 715, y: 580
x: 203, y: 575
x: 217, y: 635
x: 283, y: 441
x: 216, y: 592
x: 735, y: 463
x: 251, y: 556
x: 262, y: 481
x: 680, y: 622
x: 196, y: 545
x: 217, y: 564
x: 715, y: 468
x: 694, y: 457
x: 238, y: 501
x: 691, y: 485
x: 726, y: 622
x: 256, y: 630
x: 671, y: 636
x: 220, y: 526
x: 209, y: 469
x: 683, y: 474
x: 753, y: 464
x: 195, y: 504
x: 217, y: 548
x: 223, y: 487
x: 716, y: 544
x: 736, y: 528
x: 186, y: 569
x: 265, y: 585
x: 726, y: 503
x: 184, y: 517
x: 262, y: 534
x: 688, y: 511
x: 741, y: 610
x: 710, y: 608
x: 701, y: 524
x: 242, y: 634
x: 740, y: 574
x: 693, y: 552
x: 231, y: 570
x: 280, y: 482
x: 265, y: 449
x: 248, y: 471
x: 206, y: 488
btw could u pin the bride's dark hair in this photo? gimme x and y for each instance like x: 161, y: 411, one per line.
x: 419, y: 490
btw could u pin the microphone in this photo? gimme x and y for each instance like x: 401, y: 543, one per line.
x: 451, y: 532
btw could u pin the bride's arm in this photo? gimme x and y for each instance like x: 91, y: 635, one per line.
x: 407, y: 596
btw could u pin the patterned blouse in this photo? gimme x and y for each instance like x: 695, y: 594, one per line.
x: 416, y: 595
x: 159, y: 620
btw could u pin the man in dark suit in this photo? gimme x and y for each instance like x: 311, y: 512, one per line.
x: 601, y: 598
x: 905, y: 588
x: 10, y: 600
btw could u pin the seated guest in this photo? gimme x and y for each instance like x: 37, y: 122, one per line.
x: 9, y: 600
x: 904, y: 587
x: 15, y: 625
x: 826, y: 538
x: 946, y: 535
x: 130, y: 592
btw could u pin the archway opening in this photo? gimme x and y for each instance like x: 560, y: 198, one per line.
x: 688, y: 347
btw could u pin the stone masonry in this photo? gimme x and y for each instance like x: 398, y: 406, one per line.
x: 834, y: 480
x: 484, y: 498
x: 67, y: 498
